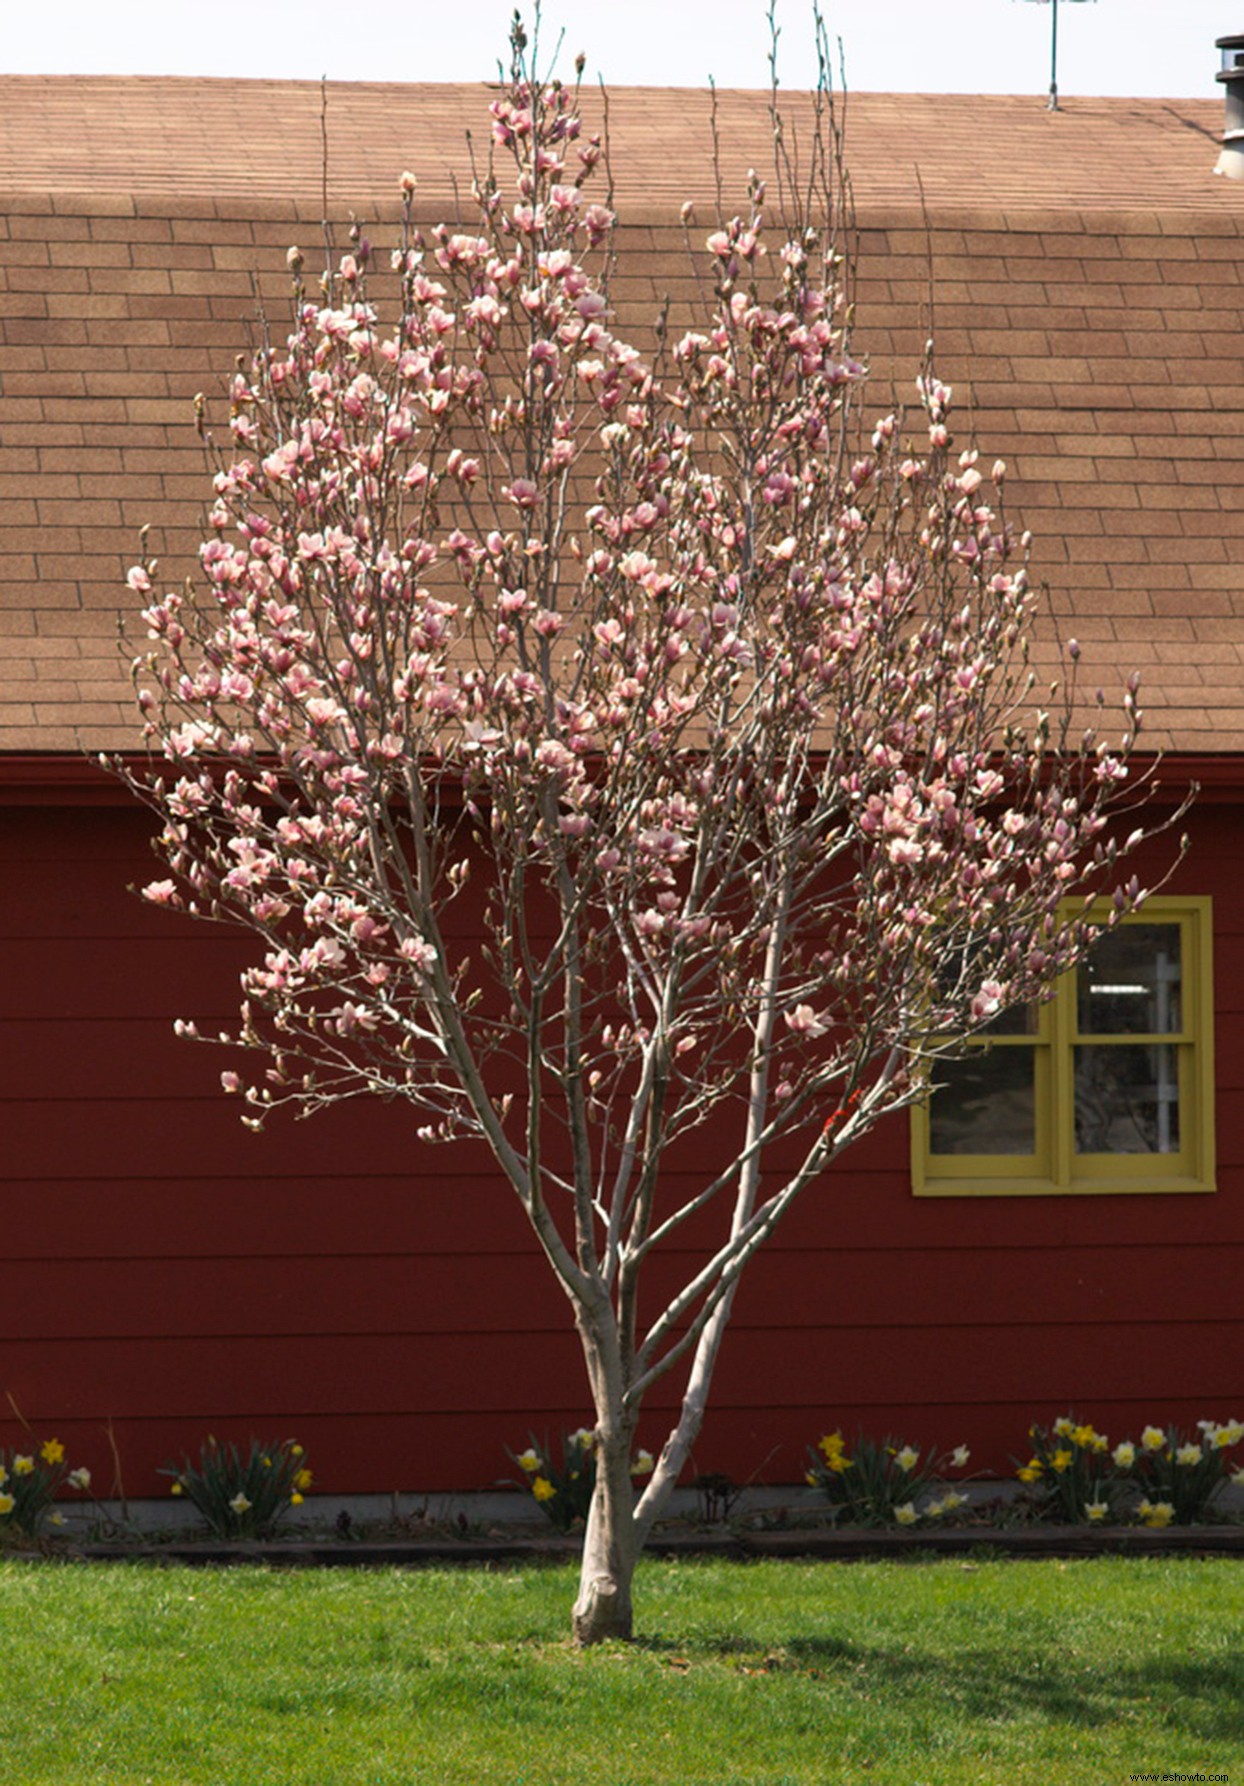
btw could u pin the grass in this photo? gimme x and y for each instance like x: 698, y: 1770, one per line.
x: 764, y: 1674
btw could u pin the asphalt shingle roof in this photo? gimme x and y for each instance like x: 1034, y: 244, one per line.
x: 1086, y: 293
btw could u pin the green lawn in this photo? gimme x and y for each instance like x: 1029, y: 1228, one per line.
x: 1049, y: 1673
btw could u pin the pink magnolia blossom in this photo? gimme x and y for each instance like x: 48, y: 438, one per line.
x: 583, y: 726
x: 988, y: 1000
x: 804, y: 1021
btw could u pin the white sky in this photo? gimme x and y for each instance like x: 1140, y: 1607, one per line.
x: 1126, y: 47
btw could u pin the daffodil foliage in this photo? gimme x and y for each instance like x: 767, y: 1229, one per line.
x: 608, y: 739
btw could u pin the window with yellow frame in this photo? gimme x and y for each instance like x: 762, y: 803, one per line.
x: 1108, y: 1087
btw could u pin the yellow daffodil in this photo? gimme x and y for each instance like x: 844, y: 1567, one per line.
x: 543, y: 1489
x: 811, y: 1478
x: 834, y: 1447
x: 52, y: 1451
x: 1082, y: 1435
x: 1218, y: 1436
x: 295, y: 1500
x: 1031, y: 1472
x: 1060, y: 1461
x: 7, y: 1504
x: 4, y: 1475
x: 178, y: 1488
x: 1156, y: 1513
x: 303, y: 1479
x: 295, y: 1450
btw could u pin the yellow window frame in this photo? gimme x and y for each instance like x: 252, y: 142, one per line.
x: 1054, y: 1168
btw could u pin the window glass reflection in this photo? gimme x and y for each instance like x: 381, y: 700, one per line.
x: 1132, y: 983
x: 1127, y: 1100
x: 985, y: 1104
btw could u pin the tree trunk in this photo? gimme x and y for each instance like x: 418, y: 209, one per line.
x: 603, y: 1609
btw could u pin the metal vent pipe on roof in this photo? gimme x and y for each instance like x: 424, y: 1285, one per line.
x: 1231, y: 74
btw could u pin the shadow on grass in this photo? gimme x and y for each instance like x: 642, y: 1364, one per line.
x: 1201, y: 1698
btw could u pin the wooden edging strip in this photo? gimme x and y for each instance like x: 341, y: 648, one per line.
x: 1047, y: 1541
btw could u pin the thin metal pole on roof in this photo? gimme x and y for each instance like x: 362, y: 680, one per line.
x: 1053, y: 99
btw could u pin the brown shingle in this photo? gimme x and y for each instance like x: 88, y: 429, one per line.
x: 1087, y: 292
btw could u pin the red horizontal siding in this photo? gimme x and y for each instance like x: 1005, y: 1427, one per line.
x: 239, y: 1377
x: 164, y: 1269
x: 977, y: 1386
x: 353, y: 1293
x: 278, y: 1213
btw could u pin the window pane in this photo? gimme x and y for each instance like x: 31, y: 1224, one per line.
x: 985, y: 1104
x: 1131, y: 984
x: 1016, y: 1020
x: 1127, y: 1100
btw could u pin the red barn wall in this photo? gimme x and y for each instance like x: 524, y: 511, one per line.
x: 165, y: 1270
x: 168, y: 1272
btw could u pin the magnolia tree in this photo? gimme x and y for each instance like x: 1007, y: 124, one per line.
x: 725, y: 704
